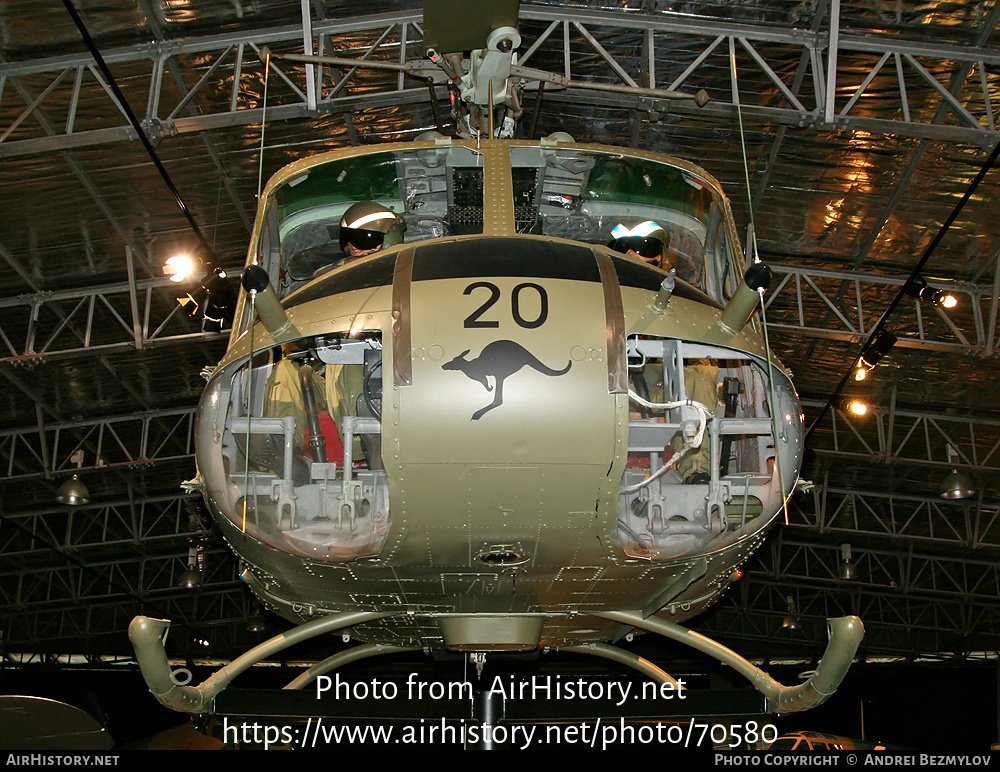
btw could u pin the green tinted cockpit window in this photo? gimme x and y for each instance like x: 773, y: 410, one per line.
x: 358, y: 178
x: 436, y: 191
x: 638, y: 181
x: 583, y: 195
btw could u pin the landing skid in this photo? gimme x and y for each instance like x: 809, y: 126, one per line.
x: 148, y: 635
x: 845, y: 636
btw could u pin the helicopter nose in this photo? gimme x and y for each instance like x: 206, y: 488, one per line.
x: 508, y: 368
x: 522, y: 431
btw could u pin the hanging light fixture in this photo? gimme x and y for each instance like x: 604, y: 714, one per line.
x: 848, y: 571
x: 791, y: 620
x: 191, y: 578
x: 73, y: 493
x: 957, y: 485
x: 255, y: 620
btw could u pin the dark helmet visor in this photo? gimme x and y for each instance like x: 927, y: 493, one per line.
x: 359, y: 238
x: 642, y: 245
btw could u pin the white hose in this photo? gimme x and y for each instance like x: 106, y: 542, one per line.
x: 703, y: 414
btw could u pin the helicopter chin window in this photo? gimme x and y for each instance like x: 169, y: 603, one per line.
x: 700, y: 469
x: 299, y: 447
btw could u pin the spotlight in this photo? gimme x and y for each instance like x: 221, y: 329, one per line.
x: 916, y: 287
x: 873, y: 352
x: 221, y: 303
x: 191, y: 302
x: 181, y: 267
x: 218, y: 299
x: 856, y: 407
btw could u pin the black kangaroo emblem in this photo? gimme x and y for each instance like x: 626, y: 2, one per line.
x: 501, y: 359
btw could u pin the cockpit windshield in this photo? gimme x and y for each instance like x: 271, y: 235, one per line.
x: 436, y: 191
x: 598, y: 196
x: 538, y: 189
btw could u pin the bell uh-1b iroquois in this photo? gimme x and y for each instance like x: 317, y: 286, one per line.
x: 536, y: 413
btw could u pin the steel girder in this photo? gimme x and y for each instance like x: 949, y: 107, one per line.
x: 837, y: 61
x: 60, y: 580
x: 54, y: 570
x: 138, y: 525
x: 822, y: 509
x: 112, y: 579
x: 890, y: 436
x: 909, y: 519
x: 98, y: 319
x: 139, y: 439
x: 911, y: 602
x: 814, y: 302
x: 799, y: 557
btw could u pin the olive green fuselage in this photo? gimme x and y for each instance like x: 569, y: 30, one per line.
x: 505, y: 427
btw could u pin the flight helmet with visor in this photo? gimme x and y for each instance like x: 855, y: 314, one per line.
x: 646, y: 239
x: 368, y: 226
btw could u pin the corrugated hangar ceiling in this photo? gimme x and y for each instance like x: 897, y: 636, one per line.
x: 864, y: 126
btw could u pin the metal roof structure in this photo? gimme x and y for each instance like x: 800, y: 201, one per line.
x: 862, y: 126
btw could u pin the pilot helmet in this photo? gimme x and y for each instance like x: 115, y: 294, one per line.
x: 646, y: 239
x: 367, y: 226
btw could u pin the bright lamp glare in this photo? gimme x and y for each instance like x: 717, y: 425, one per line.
x: 857, y: 408
x: 860, y: 374
x: 949, y: 301
x: 179, y: 267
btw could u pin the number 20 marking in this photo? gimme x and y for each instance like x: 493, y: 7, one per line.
x: 473, y: 320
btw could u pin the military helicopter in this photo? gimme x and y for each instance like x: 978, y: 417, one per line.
x: 504, y: 429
